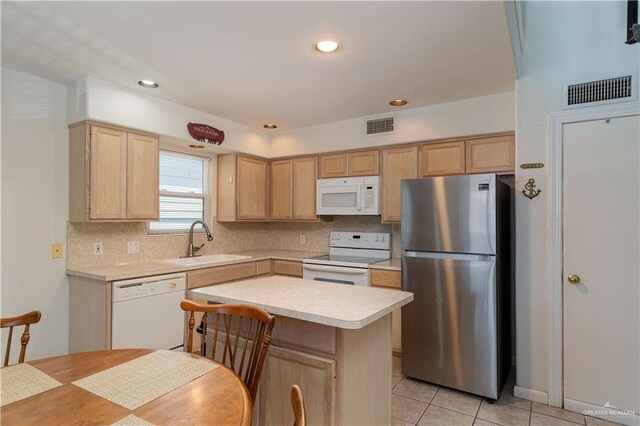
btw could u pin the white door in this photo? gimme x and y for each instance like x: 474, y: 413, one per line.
x: 601, y: 193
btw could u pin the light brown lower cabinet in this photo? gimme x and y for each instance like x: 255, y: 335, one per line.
x: 220, y: 274
x: 344, y: 374
x: 316, y: 377
x: 391, y: 280
x: 287, y: 267
x: 90, y: 301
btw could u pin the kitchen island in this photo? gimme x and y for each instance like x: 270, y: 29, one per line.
x: 333, y: 340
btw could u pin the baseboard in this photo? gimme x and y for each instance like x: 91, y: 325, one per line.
x: 531, y: 395
x: 605, y: 413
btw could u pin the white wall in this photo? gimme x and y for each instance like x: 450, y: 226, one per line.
x: 34, y: 208
x: 487, y: 114
x: 94, y: 99
x: 564, y: 42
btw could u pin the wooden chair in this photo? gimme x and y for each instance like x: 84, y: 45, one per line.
x: 243, y: 332
x: 26, y: 320
x: 297, y: 403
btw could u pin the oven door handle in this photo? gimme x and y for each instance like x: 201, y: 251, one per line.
x: 350, y: 271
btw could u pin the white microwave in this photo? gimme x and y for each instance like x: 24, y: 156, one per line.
x: 348, y: 196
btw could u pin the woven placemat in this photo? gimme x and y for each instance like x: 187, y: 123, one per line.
x: 144, y: 379
x: 132, y: 420
x: 21, y: 381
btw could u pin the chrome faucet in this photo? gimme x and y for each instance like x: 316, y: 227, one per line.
x: 192, y: 249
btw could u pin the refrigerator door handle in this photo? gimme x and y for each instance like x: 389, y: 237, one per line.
x: 451, y: 256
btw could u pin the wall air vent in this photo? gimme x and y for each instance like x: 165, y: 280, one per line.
x: 376, y: 126
x: 599, y: 92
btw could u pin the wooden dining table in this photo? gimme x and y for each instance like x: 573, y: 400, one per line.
x: 218, y: 397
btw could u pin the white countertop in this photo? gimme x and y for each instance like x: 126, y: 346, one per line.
x: 158, y: 267
x: 337, y: 305
x: 393, y: 264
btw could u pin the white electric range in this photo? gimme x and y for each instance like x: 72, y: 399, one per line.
x: 350, y: 254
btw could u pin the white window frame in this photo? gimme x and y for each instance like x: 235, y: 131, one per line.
x: 206, y: 195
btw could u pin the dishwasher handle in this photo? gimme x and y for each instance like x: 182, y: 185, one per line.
x: 127, y: 290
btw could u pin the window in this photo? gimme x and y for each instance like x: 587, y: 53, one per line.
x: 183, y: 192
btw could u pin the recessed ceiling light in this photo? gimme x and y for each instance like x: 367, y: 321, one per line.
x: 150, y: 84
x: 327, y: 46
x: 270, y: 126
x: 398, y: 102
x: 193, y: 145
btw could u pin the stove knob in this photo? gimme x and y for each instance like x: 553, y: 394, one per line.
x: 384, y: 239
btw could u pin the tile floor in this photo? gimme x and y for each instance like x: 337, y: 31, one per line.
x: 419, y: 403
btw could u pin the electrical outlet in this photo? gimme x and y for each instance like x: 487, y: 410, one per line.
x: 97, y: 248
x: 302, y: 239
x: 57, y: 251
x: 133, y: 247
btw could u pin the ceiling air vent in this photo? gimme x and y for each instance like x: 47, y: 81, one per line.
x: 377, y: 126
x: 599, y: 92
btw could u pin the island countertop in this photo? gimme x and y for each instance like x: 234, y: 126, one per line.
x: 337, y: 305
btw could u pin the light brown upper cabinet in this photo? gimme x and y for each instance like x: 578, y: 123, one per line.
x: 281, y: 189
x: 332, y: 166
x: 364, y: 163
x: 305, y: 174
x: 113, y: 174
x: 357, y: 163
x: 293, y: 189
x: 243, y: 188
x: 397, y: 164
x: 437, y: 159
x: 494, y: 154
x: 142, y: 176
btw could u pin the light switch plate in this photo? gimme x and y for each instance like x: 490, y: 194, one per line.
x: 302, y: 239
x: 57, y: 250
x: 97, y: 248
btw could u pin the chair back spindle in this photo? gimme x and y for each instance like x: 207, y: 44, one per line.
x: 240, y: 337
x: 23, y: 320
x: 297, y: 404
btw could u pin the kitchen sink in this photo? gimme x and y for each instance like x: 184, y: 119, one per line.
x: 205, y: 260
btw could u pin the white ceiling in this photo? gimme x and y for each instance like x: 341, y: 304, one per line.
x: 253, y: 62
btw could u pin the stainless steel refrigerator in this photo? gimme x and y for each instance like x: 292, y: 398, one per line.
x: 456, y: 262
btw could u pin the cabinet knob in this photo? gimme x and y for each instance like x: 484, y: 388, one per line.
x: 573, y: 279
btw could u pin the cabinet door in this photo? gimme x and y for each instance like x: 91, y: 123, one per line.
x: 491, y: 154
x: 333, y: 166
x: 439, y: 159
x: 305, y: 174
x: 287, y: 267
x: 390, y: 279
x: 281, y: 189
x: 397, y: 164
x: 252, y: 188
x: 142, y: 177
x: 364, y: 163
x: 108, y: 173
x: 316, y: 377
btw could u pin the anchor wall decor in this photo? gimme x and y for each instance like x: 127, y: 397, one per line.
x: 530, y: 190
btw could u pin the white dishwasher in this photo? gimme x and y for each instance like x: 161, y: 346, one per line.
x: 146, y: 313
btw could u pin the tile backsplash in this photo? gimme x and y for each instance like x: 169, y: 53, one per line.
x: 227, y: 237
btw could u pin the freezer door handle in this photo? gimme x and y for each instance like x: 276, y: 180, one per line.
x: 450, y: 256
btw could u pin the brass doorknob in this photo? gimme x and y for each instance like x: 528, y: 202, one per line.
x: 573, y: 279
